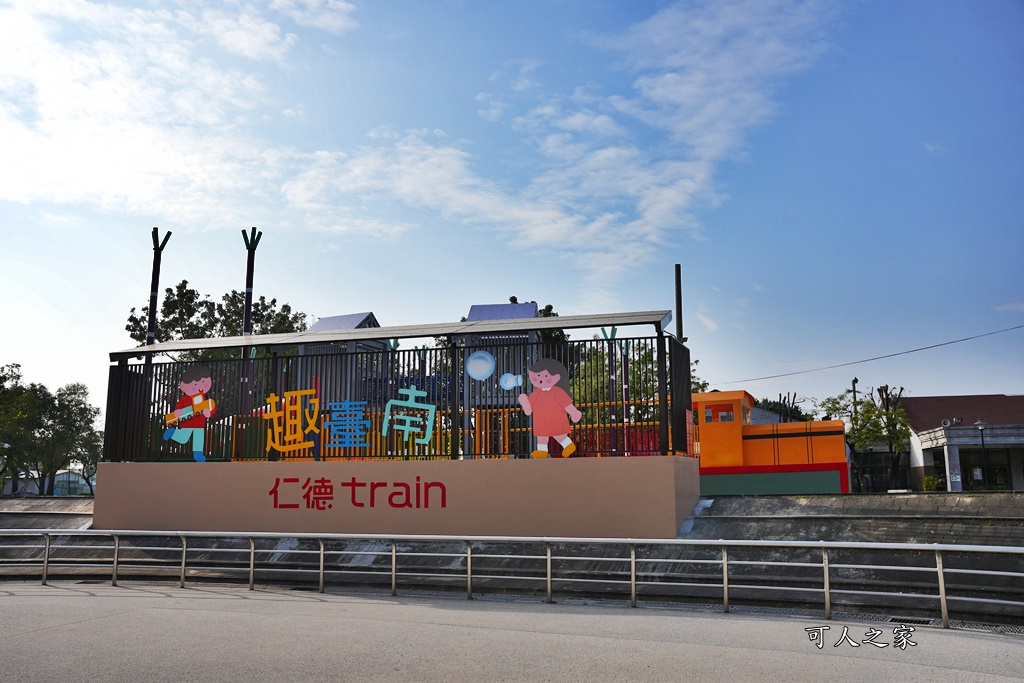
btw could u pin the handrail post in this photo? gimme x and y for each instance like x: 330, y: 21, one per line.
x: 547, y: 546
x: 469, y: 570
x: 632, y: 576
x: 942, y: 589
x: 321, y: 565
x: 394, y: 568
x: 184, y: 550
x: 117, y: 550
x: 252, y: 563
x: 828, y: 594
x: 46, y: 557
x: 725, y: 579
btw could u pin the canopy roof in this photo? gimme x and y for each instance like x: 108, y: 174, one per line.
x: 660, y: 320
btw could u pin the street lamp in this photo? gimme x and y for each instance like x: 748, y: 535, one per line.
x: 981, y: 424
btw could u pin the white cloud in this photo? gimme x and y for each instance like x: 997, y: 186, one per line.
x: 129, y: 117
x: 334, y: 16
x: 709, y: 324
x: 494, y: 108
x: 247, y: 35
x: 138, y: 115
x: 1013, y: 307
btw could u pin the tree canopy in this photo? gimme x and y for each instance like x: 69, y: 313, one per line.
x: 46, y: 431
x: 879, y: 418
x: 186, y: 314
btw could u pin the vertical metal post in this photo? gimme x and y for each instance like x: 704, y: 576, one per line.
x: 632, y: 576
x: 679, y: 305
x: 46, y: 557
x: 662, y: 394
x: 252, y: 563
x: 454, y: 388
x: 184, y: 551
x: 942, y: 589
x: 117, y: 550
x: 394, y: 568
x: 250, y: 264
x: 725, y: 579
x: 547, y: 547
x: 154, y: 287
x: 469, y: 571
x: 321, y: 565
x: 828, y: 594
x: 247, y: 371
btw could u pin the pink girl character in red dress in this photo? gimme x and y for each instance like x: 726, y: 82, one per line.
x: 551, y: 406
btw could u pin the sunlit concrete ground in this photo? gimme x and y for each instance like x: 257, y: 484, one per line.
x: 71, y: 631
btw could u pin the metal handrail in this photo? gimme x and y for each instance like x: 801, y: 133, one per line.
x: 391, y: 542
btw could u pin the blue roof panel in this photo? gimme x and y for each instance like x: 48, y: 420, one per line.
x: 479, y: 312
x: 352, y: 321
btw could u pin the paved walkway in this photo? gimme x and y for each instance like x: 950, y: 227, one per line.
x: 143, y: 632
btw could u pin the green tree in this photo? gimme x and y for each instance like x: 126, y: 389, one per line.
x: 592, y: 383
x: 697, y: 385
x: 16, y: 422
x: 67, y: 426
x: 87, y: 454
x: 46, y: 431
x: 185, y: 314
x: 893, y: 425
x: 871, y: 421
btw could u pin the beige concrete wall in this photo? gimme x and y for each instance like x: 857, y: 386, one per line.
x: 645, y: 497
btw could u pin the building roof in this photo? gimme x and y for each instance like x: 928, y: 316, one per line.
x: 502, y: 311
x: 660, y: 320
x: 716, y: 396
x: 352, y: 321
x: 928, y: 412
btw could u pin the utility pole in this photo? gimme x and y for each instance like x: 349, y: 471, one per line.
x: 854, y: 420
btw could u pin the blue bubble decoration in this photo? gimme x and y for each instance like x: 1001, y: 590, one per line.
x: 480, y: 365
x: 509, y: 381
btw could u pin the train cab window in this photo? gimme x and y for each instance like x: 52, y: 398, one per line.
x: 718, y: 413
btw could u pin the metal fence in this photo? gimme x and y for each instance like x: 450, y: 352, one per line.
x: 447, y: 402
x: 862, y: 577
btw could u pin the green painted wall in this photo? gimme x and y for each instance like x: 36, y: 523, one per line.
x: 769, y: 483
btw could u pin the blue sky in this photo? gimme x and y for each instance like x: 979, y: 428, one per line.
x: 839, y: 180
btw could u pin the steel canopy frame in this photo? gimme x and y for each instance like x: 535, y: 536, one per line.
x: 659, y: 319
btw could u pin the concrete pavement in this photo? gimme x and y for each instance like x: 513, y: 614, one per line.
x: 70, y: 631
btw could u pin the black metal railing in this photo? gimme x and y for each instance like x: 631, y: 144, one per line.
x: 442, y: 402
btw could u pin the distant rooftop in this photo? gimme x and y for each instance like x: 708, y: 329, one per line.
x: 479, y: 312
x: 352, y: 321
x: 928, y: 412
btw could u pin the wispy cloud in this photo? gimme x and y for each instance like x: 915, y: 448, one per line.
x: 156, y: 110
x: 709, y: 324
x: 1014, y: 307
x: 327, y: 15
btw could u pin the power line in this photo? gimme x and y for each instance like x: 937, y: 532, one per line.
x: 868, y: 360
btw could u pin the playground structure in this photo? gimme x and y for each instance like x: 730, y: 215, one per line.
x: 737, y: 457
x: 284, y: 403
x: 324, y: 431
